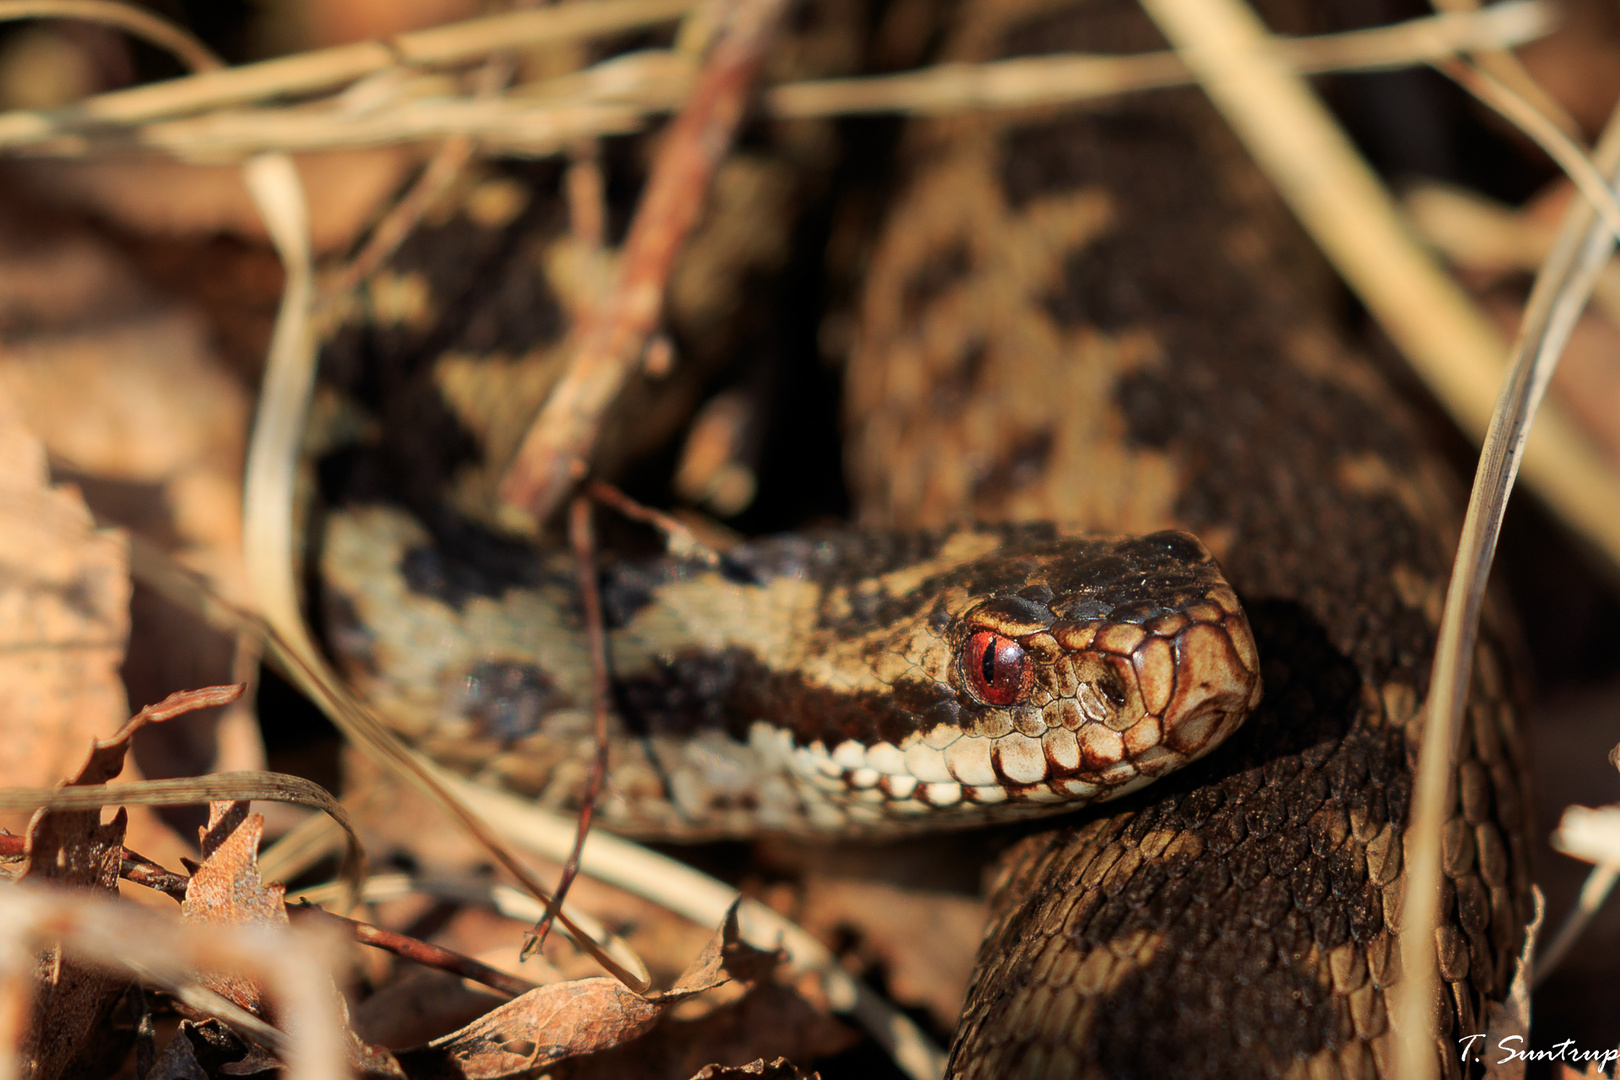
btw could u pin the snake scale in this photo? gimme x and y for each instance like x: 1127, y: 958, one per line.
x: 1103, y: 318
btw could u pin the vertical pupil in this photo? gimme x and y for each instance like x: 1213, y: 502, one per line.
x: 990, y: 659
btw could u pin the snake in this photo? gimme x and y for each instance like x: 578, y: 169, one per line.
x: 1203, y: 691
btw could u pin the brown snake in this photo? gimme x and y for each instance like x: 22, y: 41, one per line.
x: 1103, y: 318
x: 1122, y: 291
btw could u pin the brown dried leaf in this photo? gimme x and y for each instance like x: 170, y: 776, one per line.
x: 123, y: 389
x: 73, y: 848
x: 226, y: 889
x: 772, y: 1019
x: 567, y: 1020
x: 64, y: 599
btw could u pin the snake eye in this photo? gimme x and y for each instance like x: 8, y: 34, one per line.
x: 997, y: 669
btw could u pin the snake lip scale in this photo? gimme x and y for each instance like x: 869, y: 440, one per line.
x: 844, y: 682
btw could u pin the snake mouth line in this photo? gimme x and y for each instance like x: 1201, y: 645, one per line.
x: 1104, y: 708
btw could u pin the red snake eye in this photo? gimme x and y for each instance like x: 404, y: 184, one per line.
x: 997, y: 669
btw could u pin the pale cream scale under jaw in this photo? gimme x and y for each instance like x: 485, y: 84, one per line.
x: 1190, y: 681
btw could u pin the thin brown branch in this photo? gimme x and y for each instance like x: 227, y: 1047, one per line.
x: 612, y: 340
x: 677, y: 536
x: 1064, y: 78
x: 139, y: 869
x: 421, y: 952
x: 582, y: 540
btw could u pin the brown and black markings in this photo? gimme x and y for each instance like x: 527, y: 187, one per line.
x: 1236, y: 919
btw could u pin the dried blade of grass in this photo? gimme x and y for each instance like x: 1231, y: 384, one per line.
x: 327, y: 68
x: 1495, y: 58
x: 1543, y: 131
x: 538, y: 119
x: 513, y: 126
x: 1052, y: 80
x: 504, y: 899
x: 291, y: 962
x: 135, y: 21
x: 1583, y: 247
x: 1593, y: 836
x: 1448, y: 340
x: 186, y: 791
x: 703, y: 900
x: 610, y: 343
x: 1594, y: 891
x: 267, y: 527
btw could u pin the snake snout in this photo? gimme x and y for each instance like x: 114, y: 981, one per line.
x: 1151, y: 696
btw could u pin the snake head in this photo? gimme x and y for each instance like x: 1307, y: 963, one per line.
x: 1053, y: 674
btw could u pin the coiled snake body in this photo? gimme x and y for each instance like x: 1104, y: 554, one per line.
x: 1107, y: 319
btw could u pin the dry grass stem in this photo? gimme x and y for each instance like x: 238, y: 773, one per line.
x: 327, y: 68
x: 618, y: 95
x: 1052, y: 80
x: 511, y: 126
x: 1507, y: 68
x: 1582, y: 250
x: 503, y: 899
x: 1557, y: 145
x: 610, y: 343
x: 1594, y: 891
x: 582, y: 542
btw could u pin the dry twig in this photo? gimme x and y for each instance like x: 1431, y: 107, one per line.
x: 582, y: 540
x: 613, y: 337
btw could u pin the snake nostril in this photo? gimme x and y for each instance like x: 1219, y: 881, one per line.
x: 1112, y: 688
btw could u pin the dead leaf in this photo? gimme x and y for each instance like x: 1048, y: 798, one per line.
x: 227, y: 890
x: 206, y: 1050
x: 124, y: 389
x: 771, y: 1019
x: 567, y: 1020
x: 72, y: 848
x: 64, y: 599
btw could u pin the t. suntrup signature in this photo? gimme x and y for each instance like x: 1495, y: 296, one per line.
x: 1512, y: 1048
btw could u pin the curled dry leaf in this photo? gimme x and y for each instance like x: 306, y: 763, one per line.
x: 226, y: 889
x: 568, y: 1020
x: 75, y: 849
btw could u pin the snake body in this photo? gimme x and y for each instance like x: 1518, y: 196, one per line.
x: 1104, y: 319
x: 848, y: 682
x: 1133, y: 333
